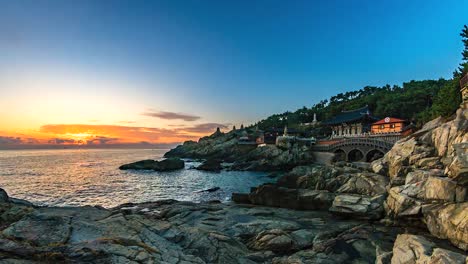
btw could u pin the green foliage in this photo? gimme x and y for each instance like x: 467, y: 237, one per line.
x: 413, y: 101
x: 448, y: 99
x: 463, y: 69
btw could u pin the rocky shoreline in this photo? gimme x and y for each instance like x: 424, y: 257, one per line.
x: 411, y: 206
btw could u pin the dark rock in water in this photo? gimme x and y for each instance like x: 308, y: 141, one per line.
x: 242, y: 198
x: 140, y: 165
x: 214, y: 189
x: 3, y: 196
x: 20, y: 202
x: 164, y: 165
x: 170, y: 164
x: 211, y: 165
x: 271, y: 195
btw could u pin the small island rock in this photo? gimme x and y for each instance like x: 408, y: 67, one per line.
x: 211, y: 165
x: 164, y: 165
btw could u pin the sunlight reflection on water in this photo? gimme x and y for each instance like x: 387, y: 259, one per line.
x: 92, y: 177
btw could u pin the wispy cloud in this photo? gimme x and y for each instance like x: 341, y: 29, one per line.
x: 204, y: 128
x: 10, y: 140
x: 172, y: 115
x: 127, y: 122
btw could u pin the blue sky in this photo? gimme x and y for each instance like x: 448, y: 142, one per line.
x: 224, y: 61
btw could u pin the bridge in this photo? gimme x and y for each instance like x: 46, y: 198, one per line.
x: 358, y: 148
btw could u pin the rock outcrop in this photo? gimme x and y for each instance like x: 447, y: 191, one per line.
x: 225, y: 147
x: 429, y: 180
x: 420, y: 250
x: 163, y: 165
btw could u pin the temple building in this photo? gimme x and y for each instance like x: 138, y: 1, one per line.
x: 388, y: 125
x: 352, y: 123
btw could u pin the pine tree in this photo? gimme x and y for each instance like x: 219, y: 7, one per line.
x: 463, y: 69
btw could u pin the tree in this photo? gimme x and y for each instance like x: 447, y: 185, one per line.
x: 448, y: 99
x: 463, y: 69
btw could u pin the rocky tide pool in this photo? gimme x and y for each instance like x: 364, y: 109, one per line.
x: 91, y: 177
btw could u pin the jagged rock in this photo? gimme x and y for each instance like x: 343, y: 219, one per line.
x: 420, y: 250
x: 358, y: 206
x: 448, y: 134
x: 3, y: 196
x: 402, y: 200
x: 278, y: 240
x: 429, y: 163
x: 417, y: 176
x: 448, y: 221
x: 379, y: 167
x: 398, y: 157
x: 445, y: 189
x: 275, y: 240
x: 458, y: 168
x: 163, y: 165
x: 365, y: 183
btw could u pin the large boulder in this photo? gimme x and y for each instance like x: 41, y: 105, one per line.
x: 163, y: 165
x: 365, y: 183
x: 448, y: 221
x: 444, y: 189
x: 420, y: 250
x: 358, y: 206
x: 458, y: 168
x: 271, y: 195
x: 211, y: 165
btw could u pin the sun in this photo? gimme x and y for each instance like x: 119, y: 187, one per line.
x: 80, y: 137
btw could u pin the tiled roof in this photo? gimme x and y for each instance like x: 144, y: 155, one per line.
x: 351, y: 115
x: 389, y: 120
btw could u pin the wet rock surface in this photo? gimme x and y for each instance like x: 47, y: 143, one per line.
x: 184, y: 232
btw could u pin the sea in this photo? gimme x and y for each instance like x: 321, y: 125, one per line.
x: 77, y: 177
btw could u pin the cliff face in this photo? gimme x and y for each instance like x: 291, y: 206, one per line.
x: 429, y: 178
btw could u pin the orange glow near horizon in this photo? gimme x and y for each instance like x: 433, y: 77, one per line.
x: 43, y: 107
x: 99, y: 135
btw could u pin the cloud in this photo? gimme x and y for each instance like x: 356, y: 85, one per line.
x: 110, y: 134
x: 127, y: 122
x: 10, y: 140
x: 172, y: 116
x: 100, y: 140
x: 62, y: 141
x: 204, y: 128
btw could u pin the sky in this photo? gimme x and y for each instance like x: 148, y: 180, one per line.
x: 100, y: 72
